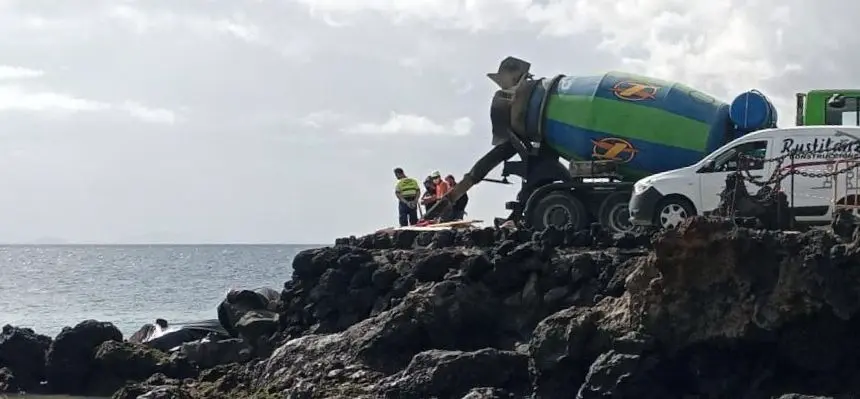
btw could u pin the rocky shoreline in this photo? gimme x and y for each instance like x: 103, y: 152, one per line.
x: 710, y: 310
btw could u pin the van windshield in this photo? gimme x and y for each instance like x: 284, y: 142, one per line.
x: 754, y: 153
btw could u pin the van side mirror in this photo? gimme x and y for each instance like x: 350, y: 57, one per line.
x: 836, y: 101
x: 708, y: 166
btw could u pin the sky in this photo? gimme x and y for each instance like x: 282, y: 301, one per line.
x: 280, y: 121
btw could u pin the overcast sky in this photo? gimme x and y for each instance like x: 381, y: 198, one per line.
x: 281, y: 120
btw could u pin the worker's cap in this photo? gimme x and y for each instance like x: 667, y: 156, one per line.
x: 435, y: 174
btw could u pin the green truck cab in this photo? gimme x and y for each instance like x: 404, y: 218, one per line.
x: 828, y: 107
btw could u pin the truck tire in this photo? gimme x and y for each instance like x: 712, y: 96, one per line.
x: 670, y: 212
x: 614, y: 213
x: 558, y: 208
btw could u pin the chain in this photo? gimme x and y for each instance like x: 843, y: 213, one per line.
x: 770, y: 188
x: 779, y: 174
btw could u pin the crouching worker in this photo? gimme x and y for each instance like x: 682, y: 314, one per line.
x: 407, y: 191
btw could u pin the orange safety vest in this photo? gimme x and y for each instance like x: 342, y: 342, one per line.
x: 442, y: 189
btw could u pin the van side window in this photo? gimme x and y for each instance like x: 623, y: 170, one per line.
x: 754, y: 154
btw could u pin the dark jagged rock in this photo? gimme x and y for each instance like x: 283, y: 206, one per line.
x: 453, y: 298
x: 707, y: 310
x: 488, y: 393
x: 210, y: 353
x: 70, y: 357
x: 22, y: 355
x: 8, y: 382
x: 712, y: 310
x: 116, y: 362
x: 143, y: 334
x: 250, y: 315
x: 451, y: 374
x: 844, y: 223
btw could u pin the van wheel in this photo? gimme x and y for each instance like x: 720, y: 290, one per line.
x: 670, y: 212
x: 615, y: 213
x: 558, y: 209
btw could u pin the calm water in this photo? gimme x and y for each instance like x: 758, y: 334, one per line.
x: 48, y: 287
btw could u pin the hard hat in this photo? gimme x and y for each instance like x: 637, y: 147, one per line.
x: 435, y: 174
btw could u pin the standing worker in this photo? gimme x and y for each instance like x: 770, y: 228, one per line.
x: 407, y: 191
x: 429, y: 197
x: 442, y: 188
x: 459, y: 209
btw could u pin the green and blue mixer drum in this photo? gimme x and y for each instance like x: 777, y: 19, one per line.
x: 647, y: 125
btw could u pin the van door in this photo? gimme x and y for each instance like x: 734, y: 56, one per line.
x: 813, y: 187
x: 712, y: 176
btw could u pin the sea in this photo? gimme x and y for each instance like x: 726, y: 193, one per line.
x: 48, y: 287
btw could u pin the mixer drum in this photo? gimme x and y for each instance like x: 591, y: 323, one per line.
x: 646, y: 125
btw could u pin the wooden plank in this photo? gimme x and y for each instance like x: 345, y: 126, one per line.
x: 456, y: 223
x: 423, y: 228
x: 432, y: 227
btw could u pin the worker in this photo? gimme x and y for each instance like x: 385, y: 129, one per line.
x: 407, y: 191
x: 459, y: 208
x: 441, y: 185
x: 429, y: 197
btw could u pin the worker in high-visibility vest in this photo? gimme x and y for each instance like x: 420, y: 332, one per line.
x: 407, y: 190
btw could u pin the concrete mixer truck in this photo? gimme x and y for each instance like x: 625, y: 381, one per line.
x: 614, y: 129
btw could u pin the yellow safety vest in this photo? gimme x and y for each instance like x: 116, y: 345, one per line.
x: 407, y: 186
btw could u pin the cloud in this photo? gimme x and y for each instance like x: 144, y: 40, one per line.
x: 14, y: 72
x: 723, y: 47
x: 145, y: 21
x: 153, y: 115
x: 410, y: 124
x: 320, y: 119
x: 473, y: 15
x: 16, y: 98
x: 720, y: 44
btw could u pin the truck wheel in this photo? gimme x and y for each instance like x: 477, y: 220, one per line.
x: 558, y: 209
x: 670, y: 212
x: 615, y: 213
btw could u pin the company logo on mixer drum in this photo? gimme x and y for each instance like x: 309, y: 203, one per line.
x: 633, y: 91
x: 615, y: 149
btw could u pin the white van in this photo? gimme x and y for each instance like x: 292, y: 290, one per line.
x: 665, y: 199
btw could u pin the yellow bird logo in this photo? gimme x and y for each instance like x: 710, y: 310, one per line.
x: 634, y: 91
x: 614, y: 149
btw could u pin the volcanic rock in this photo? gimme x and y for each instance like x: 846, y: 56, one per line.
x: 707, y: 310
x: 22, y: 355
x: 71, y: 355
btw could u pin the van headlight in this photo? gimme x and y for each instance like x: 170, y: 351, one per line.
x: 640, y: 187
